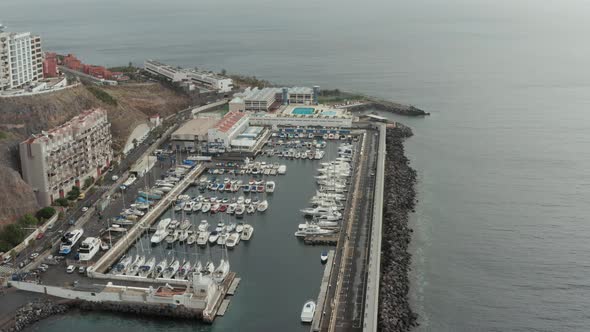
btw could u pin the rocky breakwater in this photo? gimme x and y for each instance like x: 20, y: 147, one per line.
x: 33, y: 312
x: 391, y: 107
x: 395, y: 313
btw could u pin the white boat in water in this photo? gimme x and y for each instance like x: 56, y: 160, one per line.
x: 308, y: 311
x: 206, y: 207
x: 213, y: 237
x: 262, y: 206
x: 147, y: 268
x: 221, y: 271
x: 134, y: 267
x: 191, y: 239
x: 312, y: 229
x: 247, y: 232
x: 208, y: 268
x: 203, y: 226
x: 160, y: 267
x: 171, y: 270
x: 161, y: 231
x: 121, y: 267
x: 232, y: 240
x: 222, y: 238
x: 184, y: 270
x: 202, y: 238
x: 324, y: 257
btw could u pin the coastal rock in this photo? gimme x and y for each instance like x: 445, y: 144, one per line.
x: 35, y: 311
x: 390, y: 107
x: 395, y: 313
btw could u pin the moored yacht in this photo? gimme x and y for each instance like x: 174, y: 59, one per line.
x: 308, y: 311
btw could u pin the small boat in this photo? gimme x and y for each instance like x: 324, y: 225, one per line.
x: 171, y: 238
x: 202, y: 238
x: 221, y: 271
x: 203, y: 226
x: 247, y: 232
x: 185, y: 224
x: 215, y: 208
x: 208, y: 268
x: 220, y: 227
x: 231, y: 227
x: 270, y: 186
x: 223, y: 207
x: 232, y: 208
x: 240, y: 210
x: 134, y: 267
x: 183, y: 271
x: 121, y: 267
x: 213, y: 237
x: 161, y: 267
x: 206, y: 207
x: 183, y: 236
x: 146, y: 269
x: 246, y: 188
x: 222, y: 238
x: 308, y: 311
x: 232, y: 240
x: 191, y: 239
x: 171, y: 270
x: 197, y: 207
x: 324, y: 257
x: 240, y: 227
x: 262, y: 206
x: 251, y: 209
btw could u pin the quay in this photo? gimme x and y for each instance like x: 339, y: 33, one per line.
x: 102, y: 265
x: 319, y: 313
x: 314, y: 240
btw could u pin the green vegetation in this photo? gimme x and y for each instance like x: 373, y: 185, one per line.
x: 102, y: 95
x: 250, y: 80
x: 88, y: 182
x: 130, y: 68
x: 13, y: 234
x: 73, y: 194
x: 3, y: 135
x: 337, y: 96
x: 61, y: 202
x: 45, y: 213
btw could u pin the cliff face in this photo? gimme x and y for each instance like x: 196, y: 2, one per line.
x: 21, y: 117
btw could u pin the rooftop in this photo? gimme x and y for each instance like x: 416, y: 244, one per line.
x: 198, y: 126
x: 229, y: 120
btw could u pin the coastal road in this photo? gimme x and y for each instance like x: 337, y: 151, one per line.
x: 346, y: 293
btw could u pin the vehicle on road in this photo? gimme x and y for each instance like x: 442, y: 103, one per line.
x: 81, y: 269
x: 6, y: 259
x: 84, y: 209
x: 115, y: 178
x: 34, y: 255
x: 70, y: 269
x: 40, y: 236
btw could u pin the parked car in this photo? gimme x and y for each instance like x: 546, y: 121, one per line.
x: 70, y: 269
x: 34, y: 255
x: 84, y: 209
x: 6, y: 259
x: 81, y: 269
x: 114, y: 178
x: 40, y: 235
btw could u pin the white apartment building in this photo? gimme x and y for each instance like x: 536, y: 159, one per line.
x: 55, y: 161
x: 255, y: 100
x: 21, y: 60
x: 169, y: 72
x: 205, y: 79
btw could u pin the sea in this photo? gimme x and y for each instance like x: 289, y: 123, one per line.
x: 501, y: 227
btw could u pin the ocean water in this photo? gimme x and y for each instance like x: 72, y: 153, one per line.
x: 501, y: 229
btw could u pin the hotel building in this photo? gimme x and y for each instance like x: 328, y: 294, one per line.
x: 21, y: 60
x: 54, y: 161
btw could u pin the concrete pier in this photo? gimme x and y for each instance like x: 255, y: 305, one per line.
x: 321, y: 302
x: 143, y: 225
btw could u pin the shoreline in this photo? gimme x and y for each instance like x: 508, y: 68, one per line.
x: 390, y: 107
x: 395, y: 313
x: 35, y: 311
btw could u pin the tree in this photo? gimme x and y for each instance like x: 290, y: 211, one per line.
x: 12, y: 234
x: 74, y: 193
x: 28, y: 220
x: 61, y: 202
x: 88, y: 181
x: 46, y: 212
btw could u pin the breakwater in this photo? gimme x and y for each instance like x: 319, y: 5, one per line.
x: 387, y: 106
x: 35, y: 311
x: 395, y: 313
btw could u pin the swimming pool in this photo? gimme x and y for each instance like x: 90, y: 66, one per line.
x: 329, y: 113
x: 303, y: 110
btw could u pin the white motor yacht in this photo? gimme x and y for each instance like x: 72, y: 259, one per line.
x: 308, y: 311
x: 202, y: 238
x: 262, y: 206
x: 269, y: 187
x: 213, y: 237
x: 232, y: 240
x: 247, y: 232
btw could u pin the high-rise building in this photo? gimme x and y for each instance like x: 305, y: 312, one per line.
x: 21, y: 60
x: 55, y: 161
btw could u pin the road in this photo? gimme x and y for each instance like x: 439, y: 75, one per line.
x: 75, y: 213
x: 345, y: 305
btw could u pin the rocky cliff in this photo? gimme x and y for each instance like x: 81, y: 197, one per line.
x: 22, y: 116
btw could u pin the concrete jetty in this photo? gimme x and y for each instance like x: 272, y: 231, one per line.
x: 321, y: 302
x: 102, y: 265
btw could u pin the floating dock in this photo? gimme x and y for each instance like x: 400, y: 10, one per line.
x: 234, y: 286
x: 223, y: 307
x: 330, y: 240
